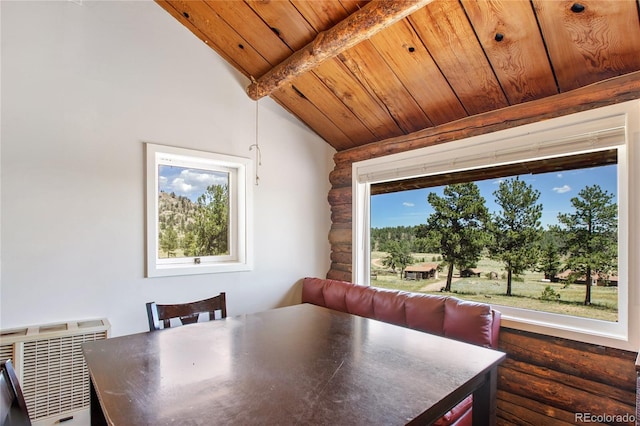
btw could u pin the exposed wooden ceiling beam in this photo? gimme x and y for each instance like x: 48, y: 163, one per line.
x: 359, y: 26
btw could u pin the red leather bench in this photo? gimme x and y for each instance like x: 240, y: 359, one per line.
x: 446, y: 316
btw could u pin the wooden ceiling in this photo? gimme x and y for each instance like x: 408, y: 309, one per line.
x: 358, y: 72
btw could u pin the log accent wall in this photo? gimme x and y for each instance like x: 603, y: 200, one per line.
x: 544, y: 380
x: 553, y: 381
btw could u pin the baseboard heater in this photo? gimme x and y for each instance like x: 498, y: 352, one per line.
x: 50, y: 366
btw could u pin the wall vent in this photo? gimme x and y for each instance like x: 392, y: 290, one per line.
x: 49, y: 363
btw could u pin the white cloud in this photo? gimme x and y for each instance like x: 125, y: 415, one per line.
x: 200, y: 179
x: 407, y: 204
x: 559, y: 175
x: 191, y: 182
x: 180, y: 186
x: 562, y: 189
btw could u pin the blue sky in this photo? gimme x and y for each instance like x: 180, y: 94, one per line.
x: 187, y: 181
x: 409, y: 208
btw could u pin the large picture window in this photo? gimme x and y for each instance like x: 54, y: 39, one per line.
x: 534, y: 220
x: 198, y: 206
x: 526, y: 241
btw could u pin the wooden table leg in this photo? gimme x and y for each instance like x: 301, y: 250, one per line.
x: 97, y: 416
x: 484, y: 400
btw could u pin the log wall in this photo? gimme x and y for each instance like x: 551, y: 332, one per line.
x: 553, y: 381
x: 544, y: 380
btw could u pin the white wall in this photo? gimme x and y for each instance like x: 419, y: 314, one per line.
x: 83, y: 87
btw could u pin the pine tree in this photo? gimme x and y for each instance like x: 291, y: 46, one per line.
x: 169, y: 241
x: 212, y: 222
x: 458, y: 224
x: 399, y: 256
x: 516, y: 228
x: 591, y: 234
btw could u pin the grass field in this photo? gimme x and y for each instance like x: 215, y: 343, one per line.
x: 526, y: 292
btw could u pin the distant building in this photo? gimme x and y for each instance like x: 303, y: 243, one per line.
x: 596, y: 278
x: 422, y: 271
x: 607, y: 280
x: 470, y: 272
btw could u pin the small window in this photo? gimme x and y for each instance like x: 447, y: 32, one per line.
x: 197, y: 212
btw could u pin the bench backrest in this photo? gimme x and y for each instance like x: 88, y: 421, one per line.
x: 446, y: 316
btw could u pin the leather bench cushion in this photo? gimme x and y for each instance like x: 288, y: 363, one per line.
x: 388, y: 306
x: 425, y: 313
x: 359, y: 300
x: 446, y: 316
x: 468, y: 321
x: 459, y: 415
x: 334, y: 293
x: 312, y: 291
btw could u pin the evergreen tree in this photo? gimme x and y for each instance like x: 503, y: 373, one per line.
x: 591, y: 234
x: 516, y: 228
x: 212, y: 221
x: 380, y: 237
x: 169, y: 241
x: 458, y: 224
x: 550, y: 260
x: 189, y: 244
x: 398, y: 257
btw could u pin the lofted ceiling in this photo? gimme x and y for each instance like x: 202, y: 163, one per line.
x: 357, y: 72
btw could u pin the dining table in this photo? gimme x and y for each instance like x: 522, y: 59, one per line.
x: 296, y: 365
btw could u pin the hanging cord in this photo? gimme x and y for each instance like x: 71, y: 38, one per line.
x: 257, y: 147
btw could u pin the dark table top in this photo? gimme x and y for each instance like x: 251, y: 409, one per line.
x: 301, y: 364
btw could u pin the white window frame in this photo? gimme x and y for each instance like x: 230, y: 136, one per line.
x: 616, y: 126
x: 240, y: 257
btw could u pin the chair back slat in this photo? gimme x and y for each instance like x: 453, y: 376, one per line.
x: 187, y: 313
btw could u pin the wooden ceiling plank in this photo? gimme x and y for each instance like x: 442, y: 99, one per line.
x: 359, y: 26
x: 286, y: 22
x: 369, y: 67
x: 168, y: 7
x: 337, y: 77
x: 300, y: 107
x: 226, y: 40
x: 403, y: 51
x: 509, y: 33
x: 449, y: 37
x: 326, y: 102
x: 238, y: 15
x: 321, y: 14
x: 600, y: 42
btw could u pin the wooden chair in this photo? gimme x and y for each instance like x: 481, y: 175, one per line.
x: 187, y: 313
x: 13, y: 408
